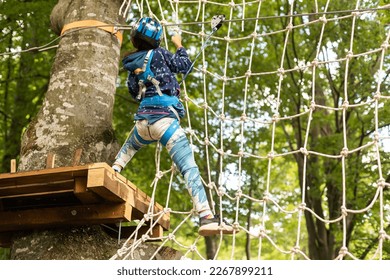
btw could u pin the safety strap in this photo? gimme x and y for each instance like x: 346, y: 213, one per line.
x: 169, y: 132
x: 150, y: 77
x: 111, y: 28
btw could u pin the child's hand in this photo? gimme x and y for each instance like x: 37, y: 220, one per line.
x: 138, y: 71
x: 176, y: 40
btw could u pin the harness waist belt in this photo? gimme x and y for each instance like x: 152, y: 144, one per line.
x: 162, y: 100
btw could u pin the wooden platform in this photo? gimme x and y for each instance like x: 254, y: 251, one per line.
x: 68, y: 196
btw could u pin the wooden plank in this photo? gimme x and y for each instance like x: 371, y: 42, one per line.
x: 102, y: 186
x: 37, y: 189
x: 88, y: 183
x: 13, y: 166
x: 82, y: 193
x: 50, y: 160
x: 64, y: 216
x: 77, y: 157
x: 42, y: 176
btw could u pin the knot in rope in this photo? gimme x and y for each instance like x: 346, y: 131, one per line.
x: 236, y: 226
x: 344, y: 152
x: 238, y: 194
x: 304, y: 151
x: 221, y: 152
x: 323, y: 19
x: 376, y: 137
x: 211, y: 185
x: 296, y: 249
x: 205, y: 106
x: 382, y: 234
x: 302, y: 206
x: 266, y: 196
x: 159, y: 175
x: 147, y: 216
x: 271, y: 155
x: 281, y: 71
x: 232, y: 4
x: 201, y: 33
x: 120, y: 252
x: 240, y: 153
x: 204, y: 69
x: 312, y: 105
x: 224, y: 79
x: 206, y: 141
x: 344, y: 211
x: 345, y: 105
x: 191, y: 132
x: 227, y: 39
x: 262, y: 232
x: 167, y: 210
x: 315, y: 62
x: 248, y: 73
x: 381, y: 183
x: 355, y: 14
x: 186, y: 98
x: 193, y: 248
x: 289, y: 26
x: 163, y: 22
x: 385, y: 46
x: 343, y: 251
x: 254, y: 35
x: 377, y: 95
x: 349, y: 55
x: 275, y: 118
x: 221, y: 191
x: 144, y: 237
x: 222, y: 117
x: 171, y: 236
x: 243, y: 117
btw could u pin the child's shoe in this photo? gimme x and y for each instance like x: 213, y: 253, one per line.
x: 214, y: 226
x: 117, y: 168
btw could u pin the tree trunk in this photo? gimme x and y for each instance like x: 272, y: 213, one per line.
x: 76, y: 113
x: 77, y: 110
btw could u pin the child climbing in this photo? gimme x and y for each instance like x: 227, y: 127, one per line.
x: 152, y: 82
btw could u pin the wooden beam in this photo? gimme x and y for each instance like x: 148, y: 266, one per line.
x: 50, y: 160
x: 82, y: 193
x: 77, y: 157
x: 13, y: 166
x: 98, y: 183
x: 90, y: 184
x: 64, y: 216
x: 35, y: 189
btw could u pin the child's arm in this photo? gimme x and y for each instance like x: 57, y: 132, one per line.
x: 179, y: 62
x: 176, y: 40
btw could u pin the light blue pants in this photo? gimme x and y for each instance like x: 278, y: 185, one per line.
x: 170, y: 134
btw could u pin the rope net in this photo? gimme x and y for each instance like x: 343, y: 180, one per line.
x: 294, y: 139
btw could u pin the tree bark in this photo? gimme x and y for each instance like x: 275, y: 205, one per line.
x: 76, y: 113
x: 77, y: 109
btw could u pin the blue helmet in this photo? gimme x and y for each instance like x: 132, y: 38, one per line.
x: 149, y: 30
